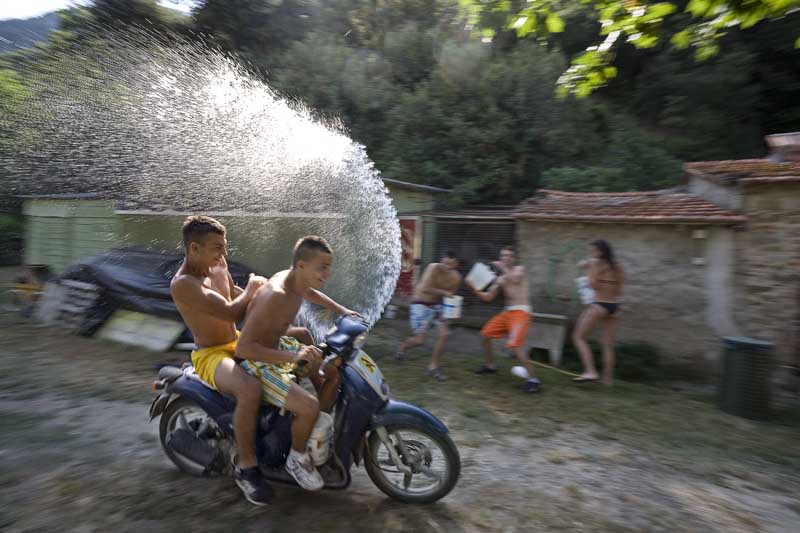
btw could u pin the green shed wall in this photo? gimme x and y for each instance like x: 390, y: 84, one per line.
x: 407, y: 201
x: 59, y: 232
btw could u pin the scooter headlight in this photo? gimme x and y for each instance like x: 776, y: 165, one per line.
x: 360, y: 341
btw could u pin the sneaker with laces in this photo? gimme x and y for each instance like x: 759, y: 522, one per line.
x: 300, y: 466
x: 254, y: 487
x: 532, y: 385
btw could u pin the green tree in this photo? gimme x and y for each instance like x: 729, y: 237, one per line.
x: 146, y: 13
x: 696, y: 24
x: 255, y: 29
x: 625, y: 158
x: 12, y: 91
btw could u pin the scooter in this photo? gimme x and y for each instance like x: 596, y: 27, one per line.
x: 406, y: 451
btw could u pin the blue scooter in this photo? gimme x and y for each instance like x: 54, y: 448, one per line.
x: 407, y: 452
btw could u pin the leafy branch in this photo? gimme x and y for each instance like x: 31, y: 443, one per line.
x: 637, y: 22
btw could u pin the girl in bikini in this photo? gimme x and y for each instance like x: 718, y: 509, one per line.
x: 606, y: 278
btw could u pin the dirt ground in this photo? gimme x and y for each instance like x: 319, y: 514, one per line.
x: 78, y: 454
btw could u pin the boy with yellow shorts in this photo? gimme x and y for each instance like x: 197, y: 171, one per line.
x: 275, y: 379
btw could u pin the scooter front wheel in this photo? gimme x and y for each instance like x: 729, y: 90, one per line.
x: 412, y: 464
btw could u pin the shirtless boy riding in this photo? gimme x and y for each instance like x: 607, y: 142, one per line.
x: 514, y: 321
x: 272, y: 357
x: 211, y: 304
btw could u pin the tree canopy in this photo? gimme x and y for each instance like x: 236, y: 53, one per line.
x: 696, y: 24
x: 461, y: 95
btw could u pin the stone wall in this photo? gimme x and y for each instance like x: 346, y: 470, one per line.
x: 767, y: 269
x: 674, y: 274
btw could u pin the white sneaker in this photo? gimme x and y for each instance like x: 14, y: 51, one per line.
x: 302, y: 470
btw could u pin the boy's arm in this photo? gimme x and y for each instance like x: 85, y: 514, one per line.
x: 193, y: 294
x: 316, y: 297
x: 491, y: 294
x: 248, y: 345
x: 235, y: 289
x: 591, y: 273
x: 500, y: 266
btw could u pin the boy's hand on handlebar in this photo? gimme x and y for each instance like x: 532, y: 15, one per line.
x: 311, y: 355
x: 349, y: 312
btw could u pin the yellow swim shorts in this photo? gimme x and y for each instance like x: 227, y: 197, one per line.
x: 206, y: 360
x: 276, y: 379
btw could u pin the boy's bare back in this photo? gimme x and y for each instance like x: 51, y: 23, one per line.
x: 271, y: 312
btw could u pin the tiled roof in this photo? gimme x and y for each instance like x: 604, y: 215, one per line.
x: 745, y: 171
x: 651, y: 207
x: 478, y: 212
x: 413, y: 186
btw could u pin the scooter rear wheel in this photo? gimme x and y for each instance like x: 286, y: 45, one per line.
x: 181, y: 412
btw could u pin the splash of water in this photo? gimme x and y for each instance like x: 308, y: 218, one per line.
x: 167, y: 123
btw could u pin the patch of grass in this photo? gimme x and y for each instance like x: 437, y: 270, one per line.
x: 673, y: 428
x: 574, y: 492
x: 686, y: 428
x: 555, y: 458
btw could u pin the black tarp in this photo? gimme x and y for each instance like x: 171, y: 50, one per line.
x: 135, y: 279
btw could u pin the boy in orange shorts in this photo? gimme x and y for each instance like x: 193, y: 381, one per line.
x: 514, y: 321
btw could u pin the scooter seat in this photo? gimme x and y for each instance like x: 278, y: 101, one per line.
x: 169, y: 373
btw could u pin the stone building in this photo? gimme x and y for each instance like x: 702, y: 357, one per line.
x: 718, y: 256
x: 672, y: 245
x: 765, y: 300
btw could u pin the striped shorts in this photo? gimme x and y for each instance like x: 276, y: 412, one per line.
x: 276, y: 379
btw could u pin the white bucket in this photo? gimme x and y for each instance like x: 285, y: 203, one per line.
x: 480, y: 276
x: 451, y: 306
x: 320, y: 443
x: 584, y: 290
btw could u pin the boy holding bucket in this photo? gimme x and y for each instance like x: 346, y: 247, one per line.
x: 440, y: 280
x: 514, y: 321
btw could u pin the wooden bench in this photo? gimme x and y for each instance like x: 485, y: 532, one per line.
x: 548, y: 332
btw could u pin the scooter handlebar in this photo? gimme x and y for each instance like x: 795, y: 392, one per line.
x: 301, y: 367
